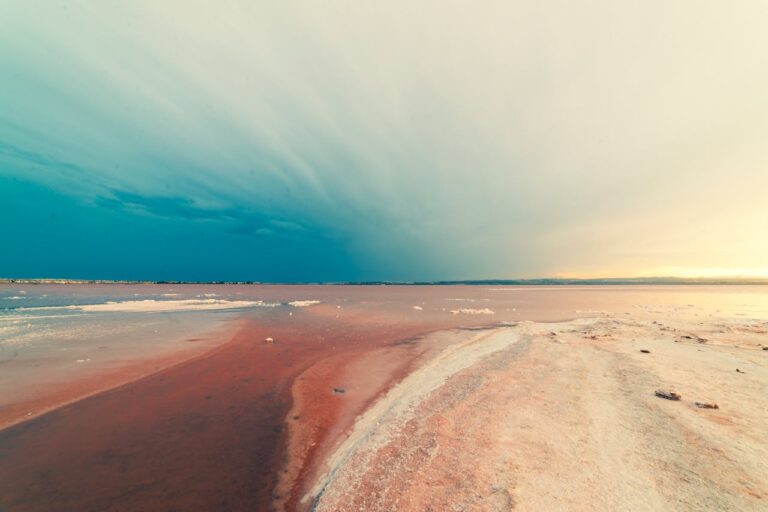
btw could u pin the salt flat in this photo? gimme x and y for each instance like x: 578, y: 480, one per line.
x: 563, y: 416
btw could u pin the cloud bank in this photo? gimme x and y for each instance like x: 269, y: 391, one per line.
x: 351, y: 140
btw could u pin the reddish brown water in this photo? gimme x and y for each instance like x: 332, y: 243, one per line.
x: 208, y: 434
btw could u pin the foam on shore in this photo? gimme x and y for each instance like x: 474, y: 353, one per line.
x: 472, y: 311
x: 150, y: 305
x: 303, y: 303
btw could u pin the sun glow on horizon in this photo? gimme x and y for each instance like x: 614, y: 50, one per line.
x: 676, y: 271
x: 693, y: 272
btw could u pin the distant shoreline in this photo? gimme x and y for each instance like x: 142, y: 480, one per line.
x: 470, y: 282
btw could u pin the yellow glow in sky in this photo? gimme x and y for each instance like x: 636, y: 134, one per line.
x: 707, y: 272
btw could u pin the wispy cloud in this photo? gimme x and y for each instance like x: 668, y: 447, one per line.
x: 455, y: 140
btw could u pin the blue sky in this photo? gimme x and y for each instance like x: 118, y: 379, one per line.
x: 324, y: 141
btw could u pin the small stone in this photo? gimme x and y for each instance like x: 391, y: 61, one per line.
x: 644, y: 351
x: 669, y: 395
x: 740, y: 371
x: 704, y: 405
x: 339, y: 391
x: 269, y: 340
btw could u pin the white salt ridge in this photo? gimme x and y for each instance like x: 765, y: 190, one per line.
x: 149, y: 305
x: 418, y: 308
x: 303, y: 303
x: 470, y: 311
x: 15, y: 319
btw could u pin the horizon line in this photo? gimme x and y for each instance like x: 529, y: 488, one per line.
x: 652, y: 280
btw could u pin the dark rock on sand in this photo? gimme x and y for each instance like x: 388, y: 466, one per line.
x: 669, y: 395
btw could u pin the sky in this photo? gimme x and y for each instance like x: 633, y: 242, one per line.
x: 353, y: 140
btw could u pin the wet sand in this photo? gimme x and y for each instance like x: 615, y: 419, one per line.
x: 267, y: 426
x: 207, y: 434
x: 62, y: 388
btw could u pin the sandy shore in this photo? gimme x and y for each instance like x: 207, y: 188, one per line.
x: 563, y: 416
x: 375, y: 404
